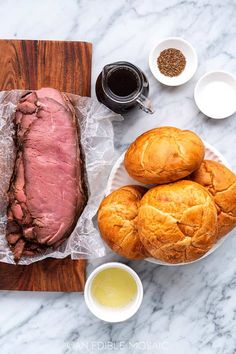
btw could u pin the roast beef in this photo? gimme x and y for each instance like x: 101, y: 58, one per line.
x: 47, y: 191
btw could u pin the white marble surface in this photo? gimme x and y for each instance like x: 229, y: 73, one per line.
x: 189, y: 309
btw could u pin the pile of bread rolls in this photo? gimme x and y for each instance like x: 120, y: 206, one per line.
x: 190, y: 204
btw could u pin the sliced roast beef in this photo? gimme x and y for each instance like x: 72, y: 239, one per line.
x: 47, y: 191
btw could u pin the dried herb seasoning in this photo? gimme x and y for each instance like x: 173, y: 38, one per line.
x: 171, y: 62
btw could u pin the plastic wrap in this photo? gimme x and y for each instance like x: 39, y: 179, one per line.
x: 97, y: 143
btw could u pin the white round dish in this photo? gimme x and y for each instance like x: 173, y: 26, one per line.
x: 190, y: 55
x: 119, y: 177
x: 109, y: 314
x: 215, y: 94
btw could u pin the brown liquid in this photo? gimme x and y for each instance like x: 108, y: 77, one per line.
x: 123, y: 82
x: 119, y: 84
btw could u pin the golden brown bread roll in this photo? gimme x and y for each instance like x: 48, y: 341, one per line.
x: 117, y: 221
x: 164, y: 155
x: 221, y: 183
x: 177, y: 222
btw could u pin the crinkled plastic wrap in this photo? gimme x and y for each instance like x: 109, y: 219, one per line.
x: 97, y: 143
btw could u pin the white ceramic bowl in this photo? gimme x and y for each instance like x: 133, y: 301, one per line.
x: 119, y: 177
x: 215, y: 94
x: 108, y: 314
x: 188, y: 51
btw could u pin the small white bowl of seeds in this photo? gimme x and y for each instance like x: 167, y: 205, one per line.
x: 173, y: 61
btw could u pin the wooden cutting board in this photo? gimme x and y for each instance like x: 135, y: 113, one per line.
x: 66, y: 66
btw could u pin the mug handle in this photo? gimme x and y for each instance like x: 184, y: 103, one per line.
x: 145, y: 104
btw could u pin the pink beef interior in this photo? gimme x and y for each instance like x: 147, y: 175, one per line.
x: 47, y: 192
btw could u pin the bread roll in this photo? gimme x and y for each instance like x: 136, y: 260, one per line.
x: 221, y: 183
x: 117, y: 221
x: 177, y: 222
x: 164, y: 155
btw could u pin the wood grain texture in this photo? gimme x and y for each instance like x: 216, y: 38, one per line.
x: 66, y: 66
x: 47, y: 275
x: 34, y: 64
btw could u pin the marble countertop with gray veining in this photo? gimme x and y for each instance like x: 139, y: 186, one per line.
x: 190, y: 309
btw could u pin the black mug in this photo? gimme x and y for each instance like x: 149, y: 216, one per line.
x: 121, y: 86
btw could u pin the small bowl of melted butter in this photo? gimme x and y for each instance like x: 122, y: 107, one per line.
x: 113, y: 292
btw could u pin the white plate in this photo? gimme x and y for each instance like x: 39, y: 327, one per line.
x: 188, y: 51
x: 119, y: 177
x: 215, y: 94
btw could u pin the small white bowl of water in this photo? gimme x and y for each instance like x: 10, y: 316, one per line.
x: 113, y: 292
x: 215, y: 94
